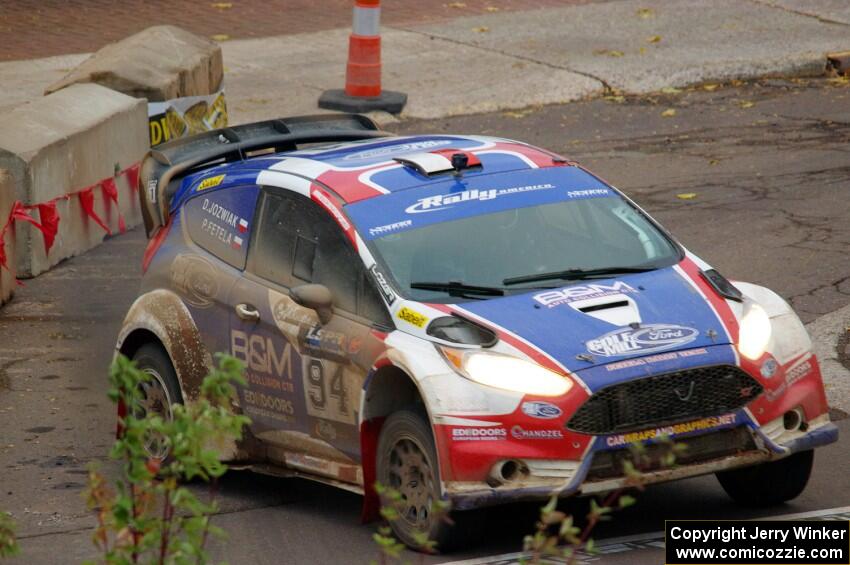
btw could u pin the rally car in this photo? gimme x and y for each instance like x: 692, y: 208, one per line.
x: 460, y: 318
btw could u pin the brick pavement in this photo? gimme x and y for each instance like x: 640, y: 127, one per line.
x: 41, y: 28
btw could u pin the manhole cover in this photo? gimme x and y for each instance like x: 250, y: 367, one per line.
x: 844, y: 348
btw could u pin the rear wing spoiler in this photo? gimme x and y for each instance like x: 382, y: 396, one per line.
x: 164, y: 166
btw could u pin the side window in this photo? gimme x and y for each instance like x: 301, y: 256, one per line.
x: 299, y: 243
x: 336, y: 265
x: 220, y: 222
x: 273, y: 251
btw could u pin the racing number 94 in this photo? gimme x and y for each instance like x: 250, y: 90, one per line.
x: 318, y: 392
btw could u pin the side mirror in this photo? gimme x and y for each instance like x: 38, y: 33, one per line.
x: 316, y: 297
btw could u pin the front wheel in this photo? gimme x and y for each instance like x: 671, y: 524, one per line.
x: 407, y: 463
x: 769, y: 483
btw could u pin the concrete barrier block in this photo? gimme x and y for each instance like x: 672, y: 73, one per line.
x: 7, y: 274
x: 61, y: 144
x: 159, y: 63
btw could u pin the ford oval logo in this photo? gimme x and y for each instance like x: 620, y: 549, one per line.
x: 542, y: 410
x: 645, y: 339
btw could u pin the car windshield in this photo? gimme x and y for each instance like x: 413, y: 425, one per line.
x: 478, y: 257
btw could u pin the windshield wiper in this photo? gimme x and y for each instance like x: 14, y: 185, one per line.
x: 457, y: 288
x: 575, y: 274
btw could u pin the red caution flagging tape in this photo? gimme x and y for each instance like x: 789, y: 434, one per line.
x: 48, y: 215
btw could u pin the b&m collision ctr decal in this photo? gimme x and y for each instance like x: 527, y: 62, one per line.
x: 482, y: 194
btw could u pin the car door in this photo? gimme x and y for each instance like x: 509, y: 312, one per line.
x: 215, y: 227
x: 305, y: 379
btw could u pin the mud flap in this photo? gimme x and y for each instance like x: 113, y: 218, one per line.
x: 369, y: 433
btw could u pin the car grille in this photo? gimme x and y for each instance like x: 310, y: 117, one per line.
x: 665, y: 399
x: 697, y: 449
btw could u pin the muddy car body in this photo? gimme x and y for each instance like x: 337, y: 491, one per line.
x: 459, y: 317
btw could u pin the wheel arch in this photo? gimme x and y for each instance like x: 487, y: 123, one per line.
x: 387, y: 389
x: 160, y: 316
x: 390, y: 388
x: 135, y: 340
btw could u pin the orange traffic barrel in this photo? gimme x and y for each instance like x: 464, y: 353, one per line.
x: 363, y: 92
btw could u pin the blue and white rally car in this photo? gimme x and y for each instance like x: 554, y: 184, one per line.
x: 458, y: 317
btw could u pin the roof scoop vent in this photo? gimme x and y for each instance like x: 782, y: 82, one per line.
x: 439, y: 162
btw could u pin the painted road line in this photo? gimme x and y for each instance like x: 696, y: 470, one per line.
x: 651, y: 540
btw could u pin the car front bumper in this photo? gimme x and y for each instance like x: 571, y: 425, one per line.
x: 571, y: 478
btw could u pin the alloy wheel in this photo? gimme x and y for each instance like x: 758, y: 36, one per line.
x: 154, y: 401
x: 411, y: 475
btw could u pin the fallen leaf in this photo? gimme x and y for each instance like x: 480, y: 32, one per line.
x: 671, y: 90
x: 686, y: 195
x: 220, y: 37
x: 646, y: 13
x: 642, y: 50
x: 710, y: 87
x: 492, y: 8
x: 482, y: 29
x: 609, y: 52
x: 736, y: 82
x: 669, y: 113
x: 456, y: 5
x: 222, y: 5
x: 839, y: 80
x: 617, y: 99
x: 713, y: 162
x: 654, y: 39
x: 746, y: 104
x: 518, y: 113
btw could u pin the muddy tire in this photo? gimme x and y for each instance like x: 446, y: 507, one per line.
x: 769, y: 483
x: 407, y: 463
x: 159, y: 393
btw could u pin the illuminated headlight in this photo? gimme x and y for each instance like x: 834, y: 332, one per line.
x: 506, y: 372
x: 754, y: 332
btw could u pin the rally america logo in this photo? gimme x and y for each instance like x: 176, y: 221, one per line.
x: 645, y: 339
x: 443, y: 201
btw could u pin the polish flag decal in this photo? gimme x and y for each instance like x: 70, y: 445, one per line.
x: 237, y: 242
x: 243, y: 225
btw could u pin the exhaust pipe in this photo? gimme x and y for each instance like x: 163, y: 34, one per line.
x: 507, y: 471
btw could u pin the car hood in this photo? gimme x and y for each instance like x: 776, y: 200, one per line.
x: 605, y: 321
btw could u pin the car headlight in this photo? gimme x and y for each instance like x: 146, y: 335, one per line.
x: 754, y: 332
x: 506, y: 372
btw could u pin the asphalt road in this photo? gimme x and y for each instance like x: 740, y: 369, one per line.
x: 767, y: 169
